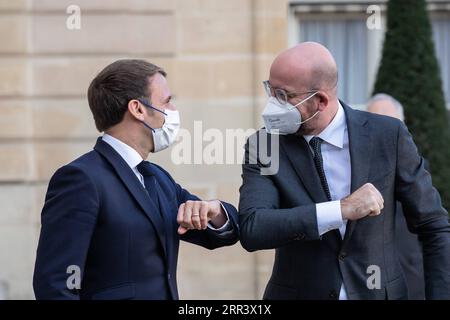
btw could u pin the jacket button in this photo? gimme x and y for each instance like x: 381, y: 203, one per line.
x: 333, y: 294
x: 168, y: 276
x: 342, y: 256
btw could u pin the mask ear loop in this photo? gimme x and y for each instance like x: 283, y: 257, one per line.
x: 148, y: 105
x: 315, y: 114
x: 153, y: 130
x: 304, y: 100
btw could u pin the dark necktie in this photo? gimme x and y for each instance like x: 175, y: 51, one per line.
x: 146, y: 170
x: 316, y: 144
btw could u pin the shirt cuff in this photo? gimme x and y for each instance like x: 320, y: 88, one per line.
x: 329, y: 216
x: 226, y: 226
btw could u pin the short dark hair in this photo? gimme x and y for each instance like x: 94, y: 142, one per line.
x: 117, y: 84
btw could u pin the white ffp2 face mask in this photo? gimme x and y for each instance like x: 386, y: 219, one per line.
x: 284, y: 119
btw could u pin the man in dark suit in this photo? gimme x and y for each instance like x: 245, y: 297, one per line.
x: 112, y: 222
x: 408, y: 245
x: 329, y: 209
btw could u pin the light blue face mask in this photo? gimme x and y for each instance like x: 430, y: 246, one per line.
x: 284, y: 119
x: 166, y: 135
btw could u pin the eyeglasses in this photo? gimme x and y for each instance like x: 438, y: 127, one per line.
x: 282, y: 95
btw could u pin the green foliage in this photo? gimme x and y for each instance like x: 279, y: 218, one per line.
x: 409, y: 71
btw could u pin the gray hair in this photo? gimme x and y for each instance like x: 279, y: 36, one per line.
x: 395, y: 102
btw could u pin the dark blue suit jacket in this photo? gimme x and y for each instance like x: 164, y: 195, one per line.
x: 98, y: 216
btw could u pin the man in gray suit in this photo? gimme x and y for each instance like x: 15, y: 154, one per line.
x: 329, y: 210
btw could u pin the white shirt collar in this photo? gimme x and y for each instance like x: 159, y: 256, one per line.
x: 335, y: 131
x: 131, y: 156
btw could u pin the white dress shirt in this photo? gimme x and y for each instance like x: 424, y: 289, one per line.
x: 336, y: 164
x: 133, y: 158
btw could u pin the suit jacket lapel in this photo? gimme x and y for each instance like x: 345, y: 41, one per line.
x: 301, y: 158
x: 359, y: 144
x: 134, y: 186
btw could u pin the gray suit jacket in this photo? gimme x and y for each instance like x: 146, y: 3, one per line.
x: 410, y: 255
x: 278, y: 211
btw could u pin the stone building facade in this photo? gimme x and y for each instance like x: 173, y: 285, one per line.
x: 216, y: 54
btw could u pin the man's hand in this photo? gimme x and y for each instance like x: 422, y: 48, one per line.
x: 366, y: 201
x: 197, y: 214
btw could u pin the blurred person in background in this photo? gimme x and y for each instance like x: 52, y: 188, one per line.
x: 112, y: 221
x: 408, y: 245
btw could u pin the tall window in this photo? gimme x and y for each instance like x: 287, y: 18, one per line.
x: 441, y: 36
x: 347, y: 40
